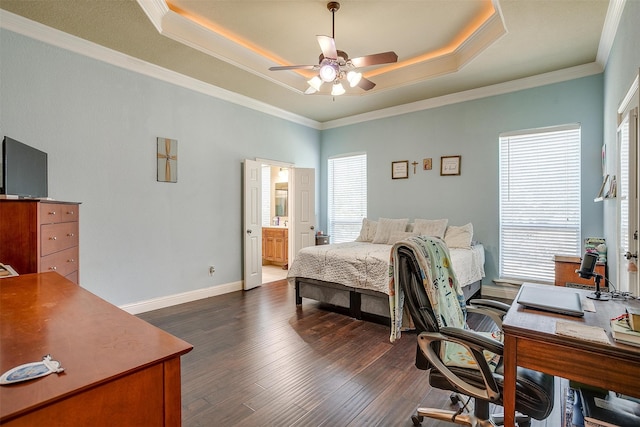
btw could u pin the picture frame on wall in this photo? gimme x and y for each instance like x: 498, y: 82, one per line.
x: 400, y: 169
x: 450, y: 165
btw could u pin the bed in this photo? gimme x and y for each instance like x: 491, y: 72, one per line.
x: 355, y: 275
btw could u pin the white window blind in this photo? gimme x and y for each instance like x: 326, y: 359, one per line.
x: 266, y: 195
x: 622, y: 190
x: 539, y: 201
x: 347, y: 196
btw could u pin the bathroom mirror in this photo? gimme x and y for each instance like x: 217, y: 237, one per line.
x: 281, y: 202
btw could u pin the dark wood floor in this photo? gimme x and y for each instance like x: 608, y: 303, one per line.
x: 258, y: 360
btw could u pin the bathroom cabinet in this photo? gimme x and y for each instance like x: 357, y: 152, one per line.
x: 275, y: 245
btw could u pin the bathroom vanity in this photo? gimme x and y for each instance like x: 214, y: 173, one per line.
x: 275, y: 245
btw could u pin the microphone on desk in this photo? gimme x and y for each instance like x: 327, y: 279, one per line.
x: 587, y: 266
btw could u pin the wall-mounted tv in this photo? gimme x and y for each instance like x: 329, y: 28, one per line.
x: 24, y: 170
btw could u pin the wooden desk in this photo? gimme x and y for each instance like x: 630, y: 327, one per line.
x: 530, y: 341
x: 119, y: 370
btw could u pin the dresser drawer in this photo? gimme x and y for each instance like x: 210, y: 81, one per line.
x: 56, y: 237
x: 58, y: 212
x: 64, y: 262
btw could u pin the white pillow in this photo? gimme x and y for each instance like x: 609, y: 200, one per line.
x: 396, y: 236
x: 430, y: 227
x: 459, y: 237
x: 368, y: 230
x: 387, y: 226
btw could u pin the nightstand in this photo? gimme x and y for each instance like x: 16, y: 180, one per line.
x: 322, y: 240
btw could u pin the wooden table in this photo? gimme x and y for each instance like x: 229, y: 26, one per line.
x: 119, y: 370
x: 530, y: 341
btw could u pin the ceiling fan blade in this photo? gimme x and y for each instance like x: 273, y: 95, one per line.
x: 328, y: 47
x: 375, y: 59
x: 293, y: 67
x: 366, y: 84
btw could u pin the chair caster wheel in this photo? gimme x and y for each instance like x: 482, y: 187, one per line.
x: 417, y: 420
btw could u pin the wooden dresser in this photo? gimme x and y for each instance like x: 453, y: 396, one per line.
x: 38, y: 236
x: 565, y: 272
x: 118, y: 369
x: 275, y: 245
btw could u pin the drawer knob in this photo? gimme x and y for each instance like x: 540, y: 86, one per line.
x: 71, y: 260
x: 52, y: 212
x: 54, y: 268
x: 70, y: 234
x: 53, y: 238
x: 70, y: 213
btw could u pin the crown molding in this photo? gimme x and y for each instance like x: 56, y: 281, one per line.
x: 51, y: 36
x: 609, y: 30
x: 472, y: 94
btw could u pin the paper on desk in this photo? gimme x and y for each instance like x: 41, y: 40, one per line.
x: 588, y: 305
x: 584, y: 332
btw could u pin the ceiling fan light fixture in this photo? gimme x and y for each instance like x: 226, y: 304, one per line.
x: 337, y: 89
x: 354, y: 77
x: 315, y: 83
x: 329, y: 71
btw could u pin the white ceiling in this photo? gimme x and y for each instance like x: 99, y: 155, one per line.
x: 444, y: 46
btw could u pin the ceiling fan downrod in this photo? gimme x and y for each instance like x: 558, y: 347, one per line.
x: 333, y: 6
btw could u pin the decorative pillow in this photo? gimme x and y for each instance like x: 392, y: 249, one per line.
x: 368, y: 230
x: 459, y: 237
x: 387, y: 226
x: 396, y: 236
x: 430, y: 227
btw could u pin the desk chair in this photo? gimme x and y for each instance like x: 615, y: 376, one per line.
x: 534, y: 395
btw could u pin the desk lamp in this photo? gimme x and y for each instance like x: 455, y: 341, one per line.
x: 586, y: 272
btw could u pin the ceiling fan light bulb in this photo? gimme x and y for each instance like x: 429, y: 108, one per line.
x: 337, y: 89
x: 328, y: 72
x: 354, y: 77
x: 315, y: 83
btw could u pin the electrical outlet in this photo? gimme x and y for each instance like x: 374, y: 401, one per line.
x: 212, y: 270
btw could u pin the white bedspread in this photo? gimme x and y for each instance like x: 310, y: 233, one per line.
x: 366, y: 265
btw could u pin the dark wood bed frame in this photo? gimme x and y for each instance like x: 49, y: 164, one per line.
x: 358, y: 301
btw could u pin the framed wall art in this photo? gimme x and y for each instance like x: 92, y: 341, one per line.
x: 450, y: 165
x: 167, y: 154
x: 427, y: 164
x: 400, y: 169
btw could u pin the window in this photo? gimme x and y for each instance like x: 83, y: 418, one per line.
x: 539, y: 201
x: 347, y: 198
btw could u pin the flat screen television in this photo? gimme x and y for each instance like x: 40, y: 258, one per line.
x: 24, y: 170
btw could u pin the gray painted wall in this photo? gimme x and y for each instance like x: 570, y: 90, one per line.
x: 470, y: 129
x: 622, y: 69
x: 141, y: 239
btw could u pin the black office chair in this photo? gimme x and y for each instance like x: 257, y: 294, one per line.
x: 534, y: 390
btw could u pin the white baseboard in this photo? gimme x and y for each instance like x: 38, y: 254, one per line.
x: 500, y: 291
x: 170, y: 300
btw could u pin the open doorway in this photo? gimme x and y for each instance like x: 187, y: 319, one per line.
x: 290, y: 218
x: 275, y: 222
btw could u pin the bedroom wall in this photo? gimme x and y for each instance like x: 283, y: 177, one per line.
x: 621, y: 70
x: 470, y: 129
x: 141, y: 239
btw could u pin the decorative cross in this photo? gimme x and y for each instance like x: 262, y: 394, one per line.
x: 414, y: 163
x: 167, y: 155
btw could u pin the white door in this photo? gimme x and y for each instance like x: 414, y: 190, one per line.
x: 628, y: 204
x: 303, y: 223
x: 252, y: 223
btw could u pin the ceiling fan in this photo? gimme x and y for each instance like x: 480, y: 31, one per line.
x: 335, y: 65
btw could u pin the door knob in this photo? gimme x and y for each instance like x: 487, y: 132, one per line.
x: 248, y: 231
x: 312, y: 227
x: 629, y: 255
